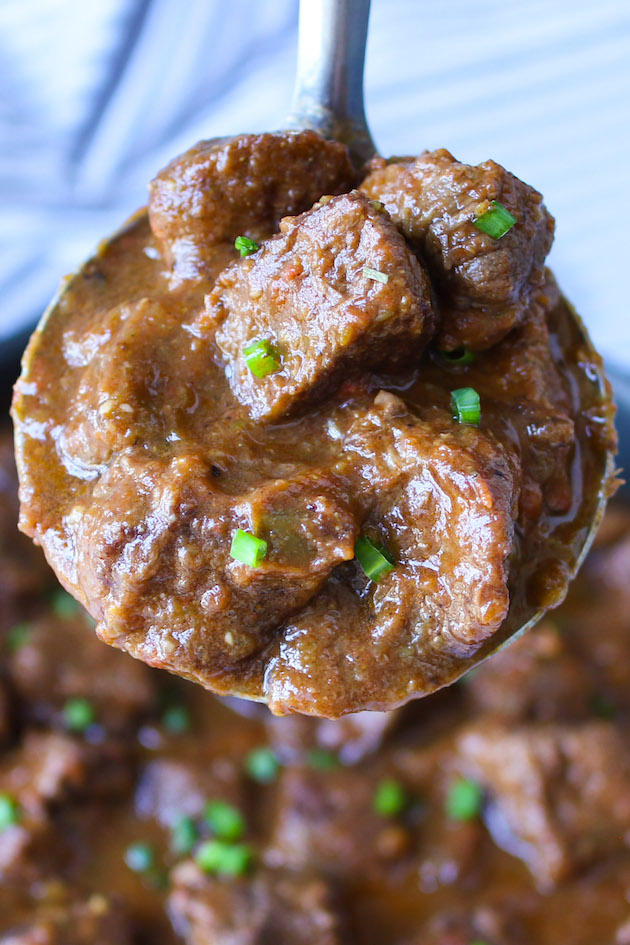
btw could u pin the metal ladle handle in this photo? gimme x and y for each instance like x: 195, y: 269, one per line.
x: 328, y: 94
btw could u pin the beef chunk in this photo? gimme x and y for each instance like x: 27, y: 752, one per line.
x: 46, y: 774
x: 169, y: 790
x: 522, y: 379
x: 538, y: 677
x: 308, y: 292
x: 560, y: 794
x: 97, y: 921
x: 441, y: 497
x: 484, y: 283
x: 326, y: 819
x: 62, y: 659
x: 43, y: 773
x: 408, y: 465
x: 283, y: 908
x: 241, y: 186
x: 157, y: 542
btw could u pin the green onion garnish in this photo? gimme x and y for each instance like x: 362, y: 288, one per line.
x: 224, y: 859
x: 458, y: 356
x: 225, y: 820
x: 262, y: 765
x: 262, y: 358
x: 184, y: 835
x: 376, y: 275
x: 18, y: 636
x: 464, y: 799
x: 139, y: 857
x: 495, y: 222
x: 245, y: 246
x: 248, y: 549
x: 466, y: 406
x: 322, y: 760
x: 390, y: 798
x: 9, y: 811
x: 78, y: 714
x: 373, y: 558
x: 176, y: 720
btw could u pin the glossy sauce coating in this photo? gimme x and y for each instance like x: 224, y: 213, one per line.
x: 144, y: 444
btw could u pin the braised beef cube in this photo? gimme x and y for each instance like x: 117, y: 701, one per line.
x: 327, y: 819
x: 524, y: 375
x: 352, y: 737
x: 484, y: 282
x: 241, y: 186
x: 441, y: 498
x: 337, y: 292
x: 49, y: 768
x: 447, y: 492
x: 559, y: 794
x: 42, y: 773
x: 169, y: 790
x: 538, y: 677
x: 61, y: 659
x: 97, y: 921
x: 271, y: 907
x: 154, y: 518
x: 46, y: 775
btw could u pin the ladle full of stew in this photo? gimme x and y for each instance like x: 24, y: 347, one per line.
x: 318, y: 428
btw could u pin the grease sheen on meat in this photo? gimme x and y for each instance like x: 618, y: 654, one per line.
x: 146, y: 441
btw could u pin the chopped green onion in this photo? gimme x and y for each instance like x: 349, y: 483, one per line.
x: 139, y: 857
x: 225, y: 820
x: 184, y: 835
x: 464, y: 799
x: 466, y: 406
x: 224, y: 859
x: 248, y: 549
x: 376, y: 275
x: 262, y: 358
x: 9, y: 811
x: 245, y: 246
x: 495, y: 222
x: 18, y: 636
x: 390, y: 798
x: 373, y: 558
x: 322, y: 760
x: 458, y: 356
x: 78, y: 714
x: 262, y: 765
x: 176, y: 720
x: 64, y: 605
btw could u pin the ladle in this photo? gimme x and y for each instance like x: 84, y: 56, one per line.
x: 329, y: 99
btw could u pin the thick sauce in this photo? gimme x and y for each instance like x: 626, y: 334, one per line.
x: 145, y: 441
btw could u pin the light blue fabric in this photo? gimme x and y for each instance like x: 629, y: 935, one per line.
x: 96, y: 97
